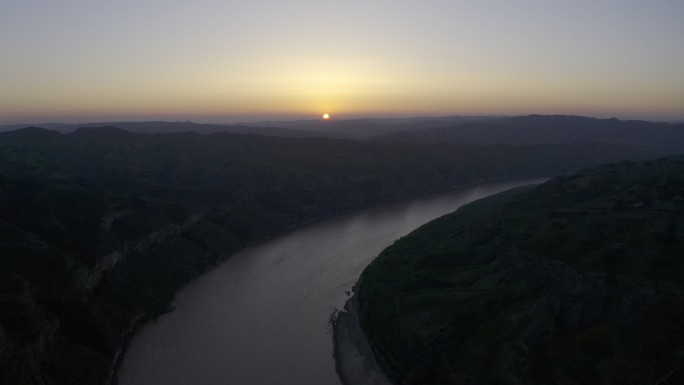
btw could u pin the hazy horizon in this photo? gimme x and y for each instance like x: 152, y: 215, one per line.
x: 248, y: 120
x: 211, y: 61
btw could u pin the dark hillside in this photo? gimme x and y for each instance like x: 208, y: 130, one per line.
x: 191, y: 168
x: 577, y: 281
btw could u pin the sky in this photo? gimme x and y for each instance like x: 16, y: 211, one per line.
x: 223, y: 61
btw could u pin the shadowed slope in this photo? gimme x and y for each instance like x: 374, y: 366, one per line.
x: 577, y: 281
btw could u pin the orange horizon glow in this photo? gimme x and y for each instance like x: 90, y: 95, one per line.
x: 381, y: 58
x: 352, y: 91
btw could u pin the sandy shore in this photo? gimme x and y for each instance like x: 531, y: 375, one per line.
x: 354, y: 359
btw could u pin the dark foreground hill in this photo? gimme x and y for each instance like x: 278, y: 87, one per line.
x: 577, y: 281
x: 100, y: 227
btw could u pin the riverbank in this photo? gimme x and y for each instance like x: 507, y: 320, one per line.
x: 543, y: 285
x: 355, y: 361
x: 300, y: 277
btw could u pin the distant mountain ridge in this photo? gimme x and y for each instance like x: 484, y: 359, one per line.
x: 163, y: 127
x: 365, y: 128
x: 519, y: 130
x: 335, y: 128
x: 547, y: 129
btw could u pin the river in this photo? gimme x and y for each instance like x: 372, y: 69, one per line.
x: 261, y: 317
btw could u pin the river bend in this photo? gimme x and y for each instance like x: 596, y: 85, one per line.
x: 261, y: 317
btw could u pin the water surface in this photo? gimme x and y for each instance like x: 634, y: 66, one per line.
x: 261, y: 317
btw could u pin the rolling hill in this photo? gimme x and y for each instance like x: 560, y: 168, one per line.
x: 577, y: 281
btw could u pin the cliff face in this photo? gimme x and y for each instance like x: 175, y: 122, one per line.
x: 100, y: 227
x: 79, y: 269
x: 57, y: 244
x: 577, y: 281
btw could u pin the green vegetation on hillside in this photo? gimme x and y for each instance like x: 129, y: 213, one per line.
x: 577, y: 281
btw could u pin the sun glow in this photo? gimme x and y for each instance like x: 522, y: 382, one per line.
x: 326, y: 116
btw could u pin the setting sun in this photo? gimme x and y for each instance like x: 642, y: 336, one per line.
x: 326, y: 116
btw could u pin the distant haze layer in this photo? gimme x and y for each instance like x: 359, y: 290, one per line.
x: 214, y: 61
